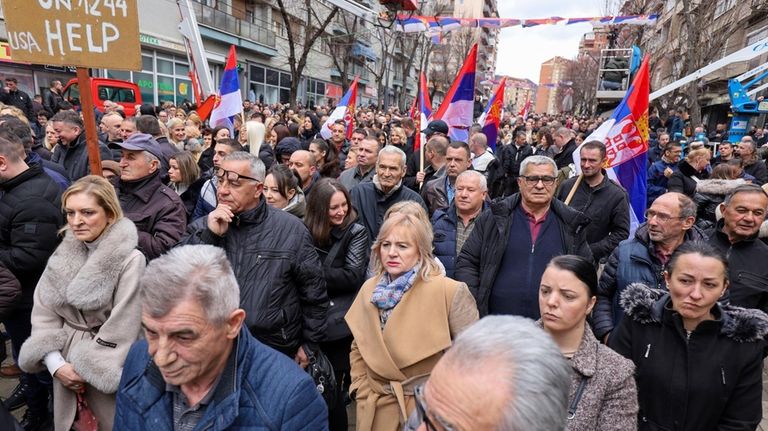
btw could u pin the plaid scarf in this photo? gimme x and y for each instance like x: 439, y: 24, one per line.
x: 388, y: 294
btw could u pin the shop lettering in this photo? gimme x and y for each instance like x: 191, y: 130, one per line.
x: 68, y: 37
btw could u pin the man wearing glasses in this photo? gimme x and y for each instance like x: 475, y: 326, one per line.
x: 505, y: 255
x: 281, y: 282
x: 642, y: 258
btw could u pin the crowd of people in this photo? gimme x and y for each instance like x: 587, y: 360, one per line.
x: 260, y: 276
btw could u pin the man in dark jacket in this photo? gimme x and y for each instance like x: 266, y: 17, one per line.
x: 565, y: 143
x: 30, y: 216
x: 54, y: 97
x: 231, y: 380
x: 415, y: 176
x: 661, y: 170
x: 367, y: 153
x: 11, y: 95
x: 600, y: 199
x: 744, y: 210
x: 373, y: 199
x: 157, y: 211
x: 273, y: 257
x: 641, y: 259
x: 72, y: 151
x: 505, y: 255
x: 513, y: 156
x: 453, y: 225
x: 440, y: 192
x: 747, y: 152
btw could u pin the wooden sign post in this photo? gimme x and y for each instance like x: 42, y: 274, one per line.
x: 82, y: 33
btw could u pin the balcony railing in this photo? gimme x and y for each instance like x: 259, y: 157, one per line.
x: 219, y: 20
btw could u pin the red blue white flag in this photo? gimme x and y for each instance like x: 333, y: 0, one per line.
x: 491, y: 118
x: 457, y: 108
x: 424, y: 114
x: 230, y: 102
x: 625, y: 135
x: 345, y: 110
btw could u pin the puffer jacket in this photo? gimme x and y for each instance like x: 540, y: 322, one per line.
x: 260, y: 389
x: 656, y: 182
x: 685, y: 179
x: 480, y: 258
x: 74, y: 158
x: 708, y: 380
x: 344, y: 263
x: 634, y: 260
x: 10, y: 292
x: 371, y: 203
x: 281, y: 282
x: 30, y: 216
x: 710, y: 194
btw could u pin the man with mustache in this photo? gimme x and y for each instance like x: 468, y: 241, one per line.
x: 744, y: 211
x: 642, y: 258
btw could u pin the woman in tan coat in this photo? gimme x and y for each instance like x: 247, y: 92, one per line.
x: 402, y: 321
x: 603, y: 393
x: 87, y: 312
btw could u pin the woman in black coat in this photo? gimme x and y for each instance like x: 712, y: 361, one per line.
x: 185, y: 180
x: 698, y: 363
x: 690, y: 171
x: 344, y: 247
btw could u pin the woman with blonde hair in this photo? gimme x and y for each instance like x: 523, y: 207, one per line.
x: 690, y: 170
x: 177, y: 133
x: 86, y: 311
x: 402, y: 321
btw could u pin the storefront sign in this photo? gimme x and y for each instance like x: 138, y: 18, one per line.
x: 84, y: 33
x: 152, y: 40
x: 333, y: 91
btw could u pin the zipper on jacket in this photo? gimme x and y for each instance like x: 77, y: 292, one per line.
x: 722, y: 374
x: 648, y: 350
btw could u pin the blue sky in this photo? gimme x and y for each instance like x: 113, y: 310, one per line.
x: 522, y: 50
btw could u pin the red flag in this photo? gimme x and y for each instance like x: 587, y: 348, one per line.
x: 424, y: 114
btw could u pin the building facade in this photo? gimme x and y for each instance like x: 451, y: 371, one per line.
x: 553, y: 80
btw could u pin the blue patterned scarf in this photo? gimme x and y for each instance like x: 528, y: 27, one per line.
x: 388, y: 294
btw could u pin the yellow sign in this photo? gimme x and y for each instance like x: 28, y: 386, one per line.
x: 84, y: 33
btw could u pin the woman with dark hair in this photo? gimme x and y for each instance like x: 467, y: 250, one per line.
x: 327, y: 160
x: 310, y: 127
x: 699, y: 363
x: 278, y: 133
x: 206, y: 157
x: 343, y: 246
x: 603, y: 393
x: 185, y: 179
x: 282, y: 191
x: 546, y: 146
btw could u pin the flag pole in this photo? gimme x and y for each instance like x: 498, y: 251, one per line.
x: 576, y: 185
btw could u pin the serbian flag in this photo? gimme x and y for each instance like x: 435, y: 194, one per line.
x: 345, y: 110
x: 229, y: 102
x: 491, y: 118
x: 525, y: 109
x: 425, y: 111
x: 625, y: 135
x: 457, y: 108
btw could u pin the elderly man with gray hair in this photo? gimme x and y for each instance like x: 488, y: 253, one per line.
x: 502, y: 373
x: 198, y: 366
x: 565, y: 141
x: 511, y: 244
x: 373, y: 199
x: 453, y: 225
x: 273, y: 257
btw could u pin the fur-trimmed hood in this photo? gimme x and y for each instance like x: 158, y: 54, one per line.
x: 718, y: 187
x: 86, y: 278
x: 645, y: 305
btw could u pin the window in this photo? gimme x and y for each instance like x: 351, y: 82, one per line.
x: 723, y: 6
x: 164, y: 77
x: 269, y: 85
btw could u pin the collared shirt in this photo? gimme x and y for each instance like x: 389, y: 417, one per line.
x: 462, y: 232
x: 450, y: 191
x: 186, y: 417
x: 535, y: 224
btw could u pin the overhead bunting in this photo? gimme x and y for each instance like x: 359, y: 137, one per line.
x: 440, y: 24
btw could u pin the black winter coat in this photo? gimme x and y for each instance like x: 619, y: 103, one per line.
x: 711, y: 380
x: 30, y: 216
x: 565, y: 157
x: 682, y: 181
x: 757, y: 170
x: 281, y: 282
x: 344, y: 263
x: 10, y: 293
x: 482, y: 253
x: 747, y: 271
x: 74, y: 158
x: 371, y: 204
x: 607, y: 207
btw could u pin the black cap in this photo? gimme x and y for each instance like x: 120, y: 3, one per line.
x: 436, y: 126
x: 140, y: 142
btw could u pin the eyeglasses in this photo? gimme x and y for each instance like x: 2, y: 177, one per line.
x: 533, y: 181
x: 421, y: 411
x: 233, y: 178
x: 663, y: 218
